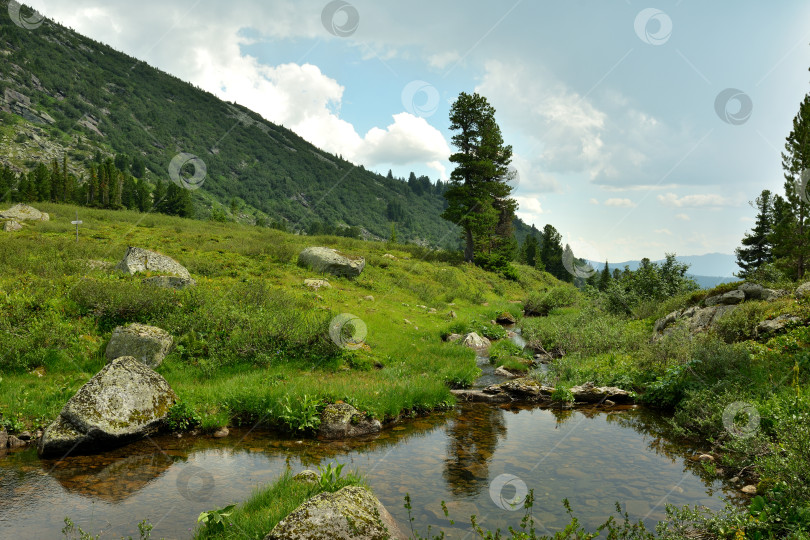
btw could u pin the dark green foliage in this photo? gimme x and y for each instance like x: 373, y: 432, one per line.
x: 756, y: 246
x: 541, y: 304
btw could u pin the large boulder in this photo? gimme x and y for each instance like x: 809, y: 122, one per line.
x: 728, y: 299
x: 124, y: 401
x: 331, y: 261
x: 342, y: 421
x: 23, y: 212
x: 474, y: 341
x: 352, y: 513
x: 803, y: 290
x: 12, y: 226
x: 137, y: 260
x: 695, y: 319
x: 147, y: 344
x: 169, y: 282
x: 755, y: 291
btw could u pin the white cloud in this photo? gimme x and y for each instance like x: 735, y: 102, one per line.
x: 663, y: 231
x: 593, y: 201
x: 444, y: 59
x: 529, y: 210
x: 408, y: 140
x: 693, y: 201
x: 683, y: 217
x: 620, y: 203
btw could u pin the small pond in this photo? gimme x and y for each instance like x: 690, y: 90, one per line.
x: 593, y: 458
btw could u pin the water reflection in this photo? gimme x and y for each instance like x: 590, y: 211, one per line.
x: 592, y: 457
x: 472, y: 439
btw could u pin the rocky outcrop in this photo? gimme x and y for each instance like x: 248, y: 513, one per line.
x: 147, y: 344
x: 588, y: 393
x: 125, y: 401
x: 803, y: 290
x: 776, y: 325
x: 701, y: 319
x: 342, y: 421
x: 169, y: 282
x: 23, y: 212
x: 474, y: 341
x: 137, y: 260
x: 12, y: 226
x: 331, y: 261
x: 350, y: 513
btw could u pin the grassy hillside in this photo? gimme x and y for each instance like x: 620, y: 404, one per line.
x: 252, y: 339
x: 64, y: 93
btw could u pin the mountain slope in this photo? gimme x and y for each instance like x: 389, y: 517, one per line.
x: 64, y: 93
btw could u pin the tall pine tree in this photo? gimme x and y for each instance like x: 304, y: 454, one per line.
x: 756, y: 249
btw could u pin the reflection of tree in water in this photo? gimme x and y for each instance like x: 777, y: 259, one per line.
x: 561, y: 415
x: 473, y: 437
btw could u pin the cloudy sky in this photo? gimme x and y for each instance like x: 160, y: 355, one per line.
x: 638, y: 128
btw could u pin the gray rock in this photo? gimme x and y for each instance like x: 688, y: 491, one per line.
x: 389, y: 256
x: 147, y: 344
x: 3, y: 439
x: 137, y: 260
x: 594, y: 394
x: 221, y: 433
x: 474, y: 341
x: 342, y: 421
x: 503, y: 372
x: 803, y: 290
x: 124, y: 401
x: 521, y: 389
x: 732, y: 298
x: 695, y: 319
x: 353, y: 513
x: 776, y: 325
x: 479, y: 396
x: 755, y: 291
x: 316, y: 284
x: 12, y: 226
x: 307, y: 477
x: 15, y: 442
x: 169, y: 282
x: 327, y: 260
x: 662, y: 323
x: 23, y: 212
x: 749, y: 489
x: 453, y: 338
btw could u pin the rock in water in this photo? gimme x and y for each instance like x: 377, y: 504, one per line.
x: 12, y: 226
x: 594, y: 394
x: 147, y: 344
x: 342, y: 421
x: 505, y: 318
x: 23, y: 212
x: 327, y: 260
x: 351, y: 513
x: 124, y: 401
x: 3, y: 440
x: 138, y: 260
x: 169, y: 282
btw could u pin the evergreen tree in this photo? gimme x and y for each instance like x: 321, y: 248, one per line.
x: 478, y: 198
x: 792, y: 238
x: 42, y: 183
x: 604, y: 277
x: 529, y: 250
x: 551, y: 254
x: 143, y: 196
x: 756, y: 247
x: 159, y: 196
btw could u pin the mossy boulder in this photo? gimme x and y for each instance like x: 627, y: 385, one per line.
x: 137, y: 260
x: 123, y: 402
x: 342, y: 421
x: 147, y: 344
x: 23, y: 212
x: 331, y: 261
x: 12, y: 226
x: 351, y: 513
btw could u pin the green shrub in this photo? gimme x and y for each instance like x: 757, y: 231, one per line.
x: 501, y: 350
x: 301, y: 413
x: 182, y: 417
x: 540, y: 304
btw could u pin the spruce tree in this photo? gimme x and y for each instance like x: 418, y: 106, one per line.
x: 605, y: 278
x: 756, y: 248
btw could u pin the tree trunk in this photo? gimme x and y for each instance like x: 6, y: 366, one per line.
x: 468, y: 248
